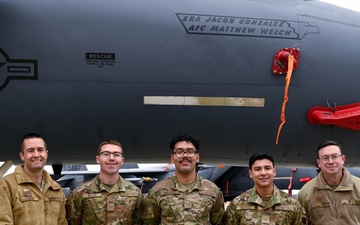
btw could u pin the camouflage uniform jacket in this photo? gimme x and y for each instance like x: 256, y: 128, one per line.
x: 170, y: 202
x: 23, y: 203
x: 91, y: 204
x: 325, y: 205
x: 248, y: 208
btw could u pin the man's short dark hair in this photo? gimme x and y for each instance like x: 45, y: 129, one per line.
x: 185, y: 137
x: 31, y: 135
x: 327, y: 143
x: 111, y: 142
x: 260, y: 156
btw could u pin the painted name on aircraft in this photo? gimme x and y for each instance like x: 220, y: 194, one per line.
x: 244, y: 26
x: 100, y: 59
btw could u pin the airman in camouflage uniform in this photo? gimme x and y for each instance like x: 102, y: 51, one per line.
x: 249, y: 208
x: 185, y: 198
x: 170, y: 202
x: 91, y: 203
x: 108, y: 199
x: 265, y: 203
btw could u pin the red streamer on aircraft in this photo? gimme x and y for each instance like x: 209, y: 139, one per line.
x: 287, y: 81
x: 293, y: 170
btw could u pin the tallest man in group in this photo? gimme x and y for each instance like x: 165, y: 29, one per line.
x: 186, y: 197
x: 29, y: 196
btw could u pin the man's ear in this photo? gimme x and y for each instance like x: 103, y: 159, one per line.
x: 274, y: 171
x: 198, y: 157
x: 21, y: 156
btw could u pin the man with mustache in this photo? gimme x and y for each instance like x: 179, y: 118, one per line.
x: 265, y: 203
x: 333, y: 196
x: 185, y: 198
x: 108, y: 198
x: 29, y: 195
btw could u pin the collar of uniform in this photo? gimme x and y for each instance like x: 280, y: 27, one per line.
x: 346, y: 183
x: 22, y: 177
x: 179, y: 187
x: 99, y: 186
x: 275, y: 198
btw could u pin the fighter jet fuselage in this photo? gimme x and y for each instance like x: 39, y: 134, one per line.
x: 229, y: 72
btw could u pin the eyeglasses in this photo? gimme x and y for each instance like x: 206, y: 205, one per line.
x: 326, y: 158
x: 181, y: 152
x: 107, y: 154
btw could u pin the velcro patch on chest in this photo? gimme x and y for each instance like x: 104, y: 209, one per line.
x: 240, y: 207
x: 284, y: 207
x: 55, y: 198
x: 130, y: 194
x: 26, y: 199
x: 350, y: 202
x: 92, y: 195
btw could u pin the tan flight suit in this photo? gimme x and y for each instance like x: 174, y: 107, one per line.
x: 23, y: 203
x: 327, y: 206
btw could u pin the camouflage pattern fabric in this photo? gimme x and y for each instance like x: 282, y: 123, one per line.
x: 249, y: 208
x: 91, y: 204
x: 170, y: 202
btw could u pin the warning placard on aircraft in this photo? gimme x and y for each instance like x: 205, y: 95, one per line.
x: 100, y: 59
